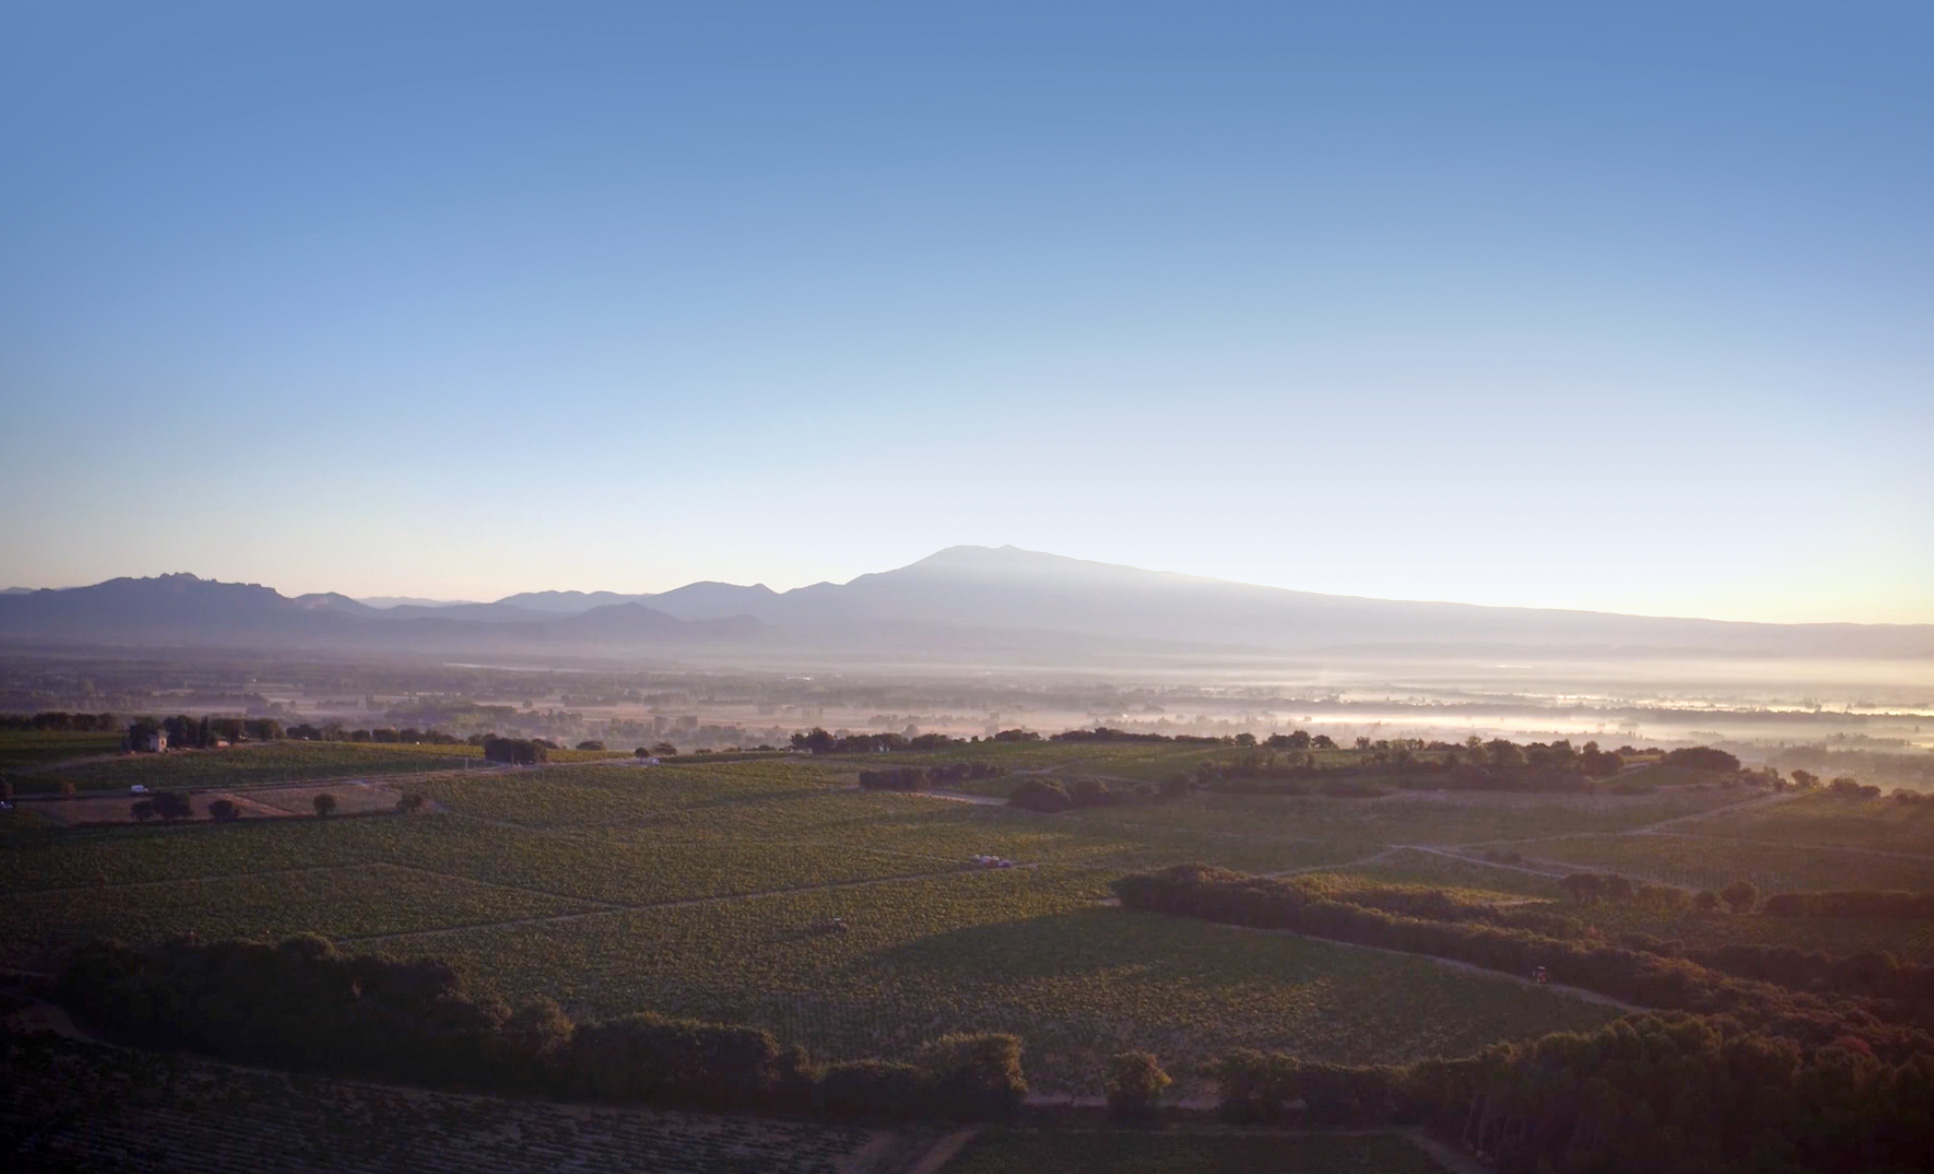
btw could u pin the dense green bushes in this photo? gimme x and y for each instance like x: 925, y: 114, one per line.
x: 1043, y: 795
x: 302, y: 1006
x: 1656, y: 1093
x: 516, y: 751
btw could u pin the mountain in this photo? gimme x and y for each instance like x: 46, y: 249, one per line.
x: 980, y: 589
x: 964, y: 604
x: 182, y: 610
x: 567, y: 602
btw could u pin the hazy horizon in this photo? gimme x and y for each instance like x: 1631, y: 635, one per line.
x: 390, y: 601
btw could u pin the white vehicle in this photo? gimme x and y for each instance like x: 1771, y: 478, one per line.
x: 138, y: 789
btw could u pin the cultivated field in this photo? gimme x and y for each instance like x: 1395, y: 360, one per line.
x: 702, y: 888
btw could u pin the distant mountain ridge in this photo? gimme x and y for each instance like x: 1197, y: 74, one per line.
x: 961, y: 601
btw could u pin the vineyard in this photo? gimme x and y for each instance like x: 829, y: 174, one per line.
x: 31, y: 748
x: 700, y: 888
x: 1698, y: 861
x: 234, y: 766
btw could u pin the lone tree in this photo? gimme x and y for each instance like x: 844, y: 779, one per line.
x: 1740, y: 896
x: 224, y: 810
x: 1134, y: 1084
x: 325, y: 806
x: 172, y: 805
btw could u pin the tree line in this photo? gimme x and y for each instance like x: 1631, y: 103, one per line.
x: 1661, y: 1093
x: 59, y: 720
x: 302, y: 1006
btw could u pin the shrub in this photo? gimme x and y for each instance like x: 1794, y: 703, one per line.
x: 1043, y: 795
x: 1706, y: 901
x: 1740, y: 896
x: 1090, y: 793
x: 172, y: 805
x: 1702, y: 758
x: 1134, y: 1084
x: 516, y: 751
x: 974, y: 1075
x: 325, y: 805
x: 224, y: 810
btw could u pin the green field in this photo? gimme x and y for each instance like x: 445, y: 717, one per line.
x: 999, y: 1151
x: 1828, y: 820
x: 27, y: 749
x: 697, y: 887
x: 1696, y: 861
x: 263, y: 763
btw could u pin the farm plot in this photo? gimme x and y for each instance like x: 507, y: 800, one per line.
x: 1701, y: 862
x: 1828, y: 820
x: 1911, y: 941
x: 366, y: 898
x: 271, y: 762
x: 103, y: 1109
x: 999, y: 1151
x: 1420, y: 817
x: 51, y: 859
x: 1022, y: 951
x: 1414, y: 866
x: 588, y: 796
x: 279, y: 802
x: 27, y: 749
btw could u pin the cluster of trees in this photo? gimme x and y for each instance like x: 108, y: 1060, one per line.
x: 1591, y: 888
x: 1873, y: 973
x: 819, y: 741
x: 300, y: 1005
x: 80, y: 723
x: 337, y: 732
x: 200, y: 733
x: 1634, y: 975
x: 170, y: 806
x: 1661, y: 1093
x: 1287, y: 764
x: 1051, y: 795
x: 1105, y: 734
x: 918, y: 778
x: 517, y: 751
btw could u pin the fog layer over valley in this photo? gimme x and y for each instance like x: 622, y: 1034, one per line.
x: 966, y: 642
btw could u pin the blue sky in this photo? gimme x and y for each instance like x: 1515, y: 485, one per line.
x: 1617, y: 306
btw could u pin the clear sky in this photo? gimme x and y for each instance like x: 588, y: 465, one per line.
x: 1622, y: 306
